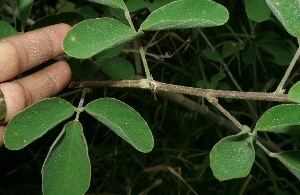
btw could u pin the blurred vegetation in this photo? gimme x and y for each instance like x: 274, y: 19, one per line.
x: 242, y: 54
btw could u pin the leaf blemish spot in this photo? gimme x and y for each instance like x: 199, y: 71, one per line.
x: 72, y: 38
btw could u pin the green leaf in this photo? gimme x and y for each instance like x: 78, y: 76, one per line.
x: 65, y: 6
x: 87, y: 70
x: 232, y: 157
x: 203, y: 84
x: 8, y: 19
x: 90, y: 37
x: 135, y: 5
x: 186, y: 14
x: 109, y: 53
x: 70, y: 18
x: 280, y: 119
x: 22, y: 9
x: 215, y: 79
x: 75, y: 68
x: 212, y: 55
x: 152, y: 6
x: 249, y: 54
x: 117, y: 68
x: 6, y: 30
x: 278, y: 50
x: 290, y: 159
x: 124, y: 121
x: 112, y: 3
x: 230, y: 48
x: 257, y: 10
x: 67, y: 168
x: 294, y: 92
x: 288, y: 13
x: 119, y: 15
x: 35, y: 121
x: 272, y: 43
x: 88, y: 12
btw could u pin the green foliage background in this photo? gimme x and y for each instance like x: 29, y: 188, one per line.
x: 256, y: 55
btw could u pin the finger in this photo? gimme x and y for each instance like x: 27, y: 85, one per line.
x: 2, y: 128
x: 45, y: 83
x: 25, y: 51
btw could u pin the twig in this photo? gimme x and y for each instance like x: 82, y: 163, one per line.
x: 214, y: 101
x: 141, y: 49
x: 80, y: 104
x: 288, y: 71
x: 159, y: 86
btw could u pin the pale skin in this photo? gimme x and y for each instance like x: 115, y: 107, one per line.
x: 26, y: 51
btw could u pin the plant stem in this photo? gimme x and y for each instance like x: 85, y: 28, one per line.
x: 80, y: 104
x: 288, y: 71
x: 141, y: 49
x: 147, y: 71
x: 159, y: 86
x: 264, y: 149
x: 137, y: 58
x: 214, y: 101
x: 128, y: 17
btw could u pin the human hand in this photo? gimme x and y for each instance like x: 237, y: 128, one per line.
x: 23, y: 52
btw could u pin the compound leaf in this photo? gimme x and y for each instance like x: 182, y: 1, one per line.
x: 294, y: 92
x: 35, y: 121
x: 288, y: 13
x: 92, y: 36
x: 112, y: 3
x: 67, y: 168
x: 186, y: 14
x: 280, y: 119
x: 290, y: 159
x: 124, y: 121
x: 232, y: 157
